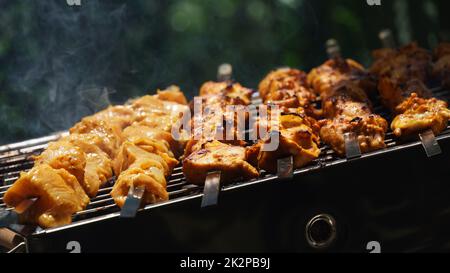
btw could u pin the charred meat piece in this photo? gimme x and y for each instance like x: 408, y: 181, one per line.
x: 215, y: 143
x: 287, y: 88
x: 290, y: 126
x: 297, y: 137
x: 343, y: 86
x: 441, y: 66
x: 217, y: 156
x: 421, y: 114
x: 403, y: 74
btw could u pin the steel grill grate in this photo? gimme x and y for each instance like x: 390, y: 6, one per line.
x: 15, y: 158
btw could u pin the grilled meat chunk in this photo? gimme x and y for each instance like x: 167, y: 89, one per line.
x: 421, y: 114
x: 297, y: 137
x: 343, y: 86
x: 58, y: 192
x: 209, y: 148
x: 139, y: 167
x: 217, y: 156
x: 403, y: 74
x: 291, y: 126
x: 76, y: 166
x: 441, y: 66
x: 98, y: 168
x: 287, y: 88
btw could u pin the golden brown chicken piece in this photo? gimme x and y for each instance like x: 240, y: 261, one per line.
x: 140, y: 133
x: 402, y: 77
x: 217, y: 156
x: 333, y: 72
x: 140, y: 174
x: 88, y: 163
x: 342, y: 84
x: 227, y: 93
x: 119, y: 116
x: 172, y: 94
x: 98, y: 168
x: 298, y: 137
x: 410, y: 62
x: 287, y: 88
x: 139, y: 167
x: 441, y: 67
x: 64, y: 155
x: 350, y: 113
x: 109, y: 134
x: 421, y: 114
x: 156, y: 113
x: 148, y: 149
x: 218, y: 118
x: 58, y: 192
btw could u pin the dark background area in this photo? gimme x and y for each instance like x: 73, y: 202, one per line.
x: 59, y: 63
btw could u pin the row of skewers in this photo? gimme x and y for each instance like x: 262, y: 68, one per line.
x: 135, y: 142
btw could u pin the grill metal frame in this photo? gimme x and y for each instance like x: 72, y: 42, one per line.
x: 15, y: 158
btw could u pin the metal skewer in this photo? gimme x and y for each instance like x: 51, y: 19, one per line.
x: 285, y: 167
x: 430, y: 143
x: 211, y: 188
x: 387, y: 38
x: 352, y: 149
x: 333, y: 49
x: 224, y: 72
x: 11, y: 217
x: 428, y: 139
x: 133, y: 202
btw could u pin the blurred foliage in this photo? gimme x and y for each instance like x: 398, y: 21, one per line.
x: 61, y: 62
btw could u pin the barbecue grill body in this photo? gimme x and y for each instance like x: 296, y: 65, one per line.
x: 398, y: 199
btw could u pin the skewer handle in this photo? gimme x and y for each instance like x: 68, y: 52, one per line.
x: 285, y: 167
x: 387, y: 38
x: 211, y: 189
x: 333, y: 49
x: 224, y: 72
x: 133, y: 202
x: 352, y: 149
x: 430, y: 144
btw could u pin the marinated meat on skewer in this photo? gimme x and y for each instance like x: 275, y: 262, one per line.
x: 209, y: 149
x: 402, y: 75
x: 146, y: 157
x: 287, y: 88
x: 441, y: 66
x: 73, y: 168
x: 59, y: 196
x: 296, y: 132
x: 214, y: 155
x: 297, y: 137
x: 342, y: 85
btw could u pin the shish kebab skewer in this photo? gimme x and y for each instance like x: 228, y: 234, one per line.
x: 216, y: 152
x: 441, y: 66
x: 148, y: 153
x: 286, y: 96
x: 350, y: 128
x: 76, y: 166
x: 402, y: 77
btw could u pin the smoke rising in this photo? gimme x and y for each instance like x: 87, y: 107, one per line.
x: 65, y: 72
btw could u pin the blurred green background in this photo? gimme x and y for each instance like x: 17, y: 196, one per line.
x: 59, y: 63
